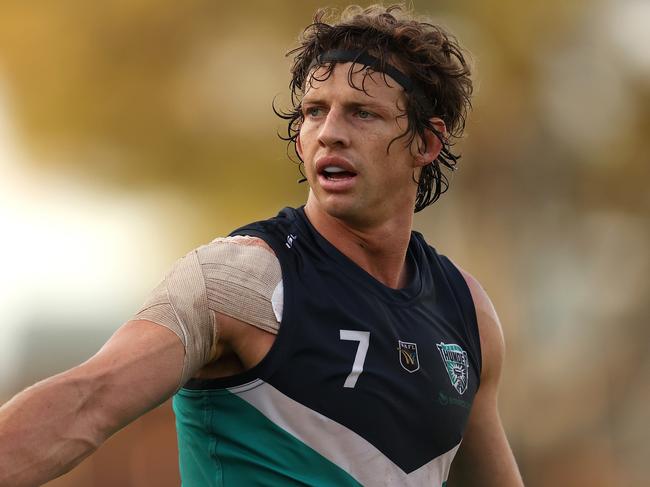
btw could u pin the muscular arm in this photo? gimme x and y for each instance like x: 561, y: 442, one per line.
x: 50, y: 427
x: 485, y: 457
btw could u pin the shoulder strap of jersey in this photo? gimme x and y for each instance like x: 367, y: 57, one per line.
x: 276, y: 231
x: 464, y: 298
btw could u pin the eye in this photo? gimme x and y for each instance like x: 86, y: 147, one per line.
x: 364, y: 115
x: 313, y: 111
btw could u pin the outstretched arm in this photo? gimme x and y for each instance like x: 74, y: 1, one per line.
x: 50, y: 427
x: 485, y: 457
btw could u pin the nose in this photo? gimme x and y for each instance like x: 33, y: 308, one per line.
x: 334, y: 131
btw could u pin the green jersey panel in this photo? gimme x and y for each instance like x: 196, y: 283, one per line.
x: 239, y: 446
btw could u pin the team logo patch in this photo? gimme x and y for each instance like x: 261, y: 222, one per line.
x: 408, y: 356
x: 457, y: 365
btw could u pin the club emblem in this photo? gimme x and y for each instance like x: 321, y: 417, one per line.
x: 457, y: 365
x: 408, y: 356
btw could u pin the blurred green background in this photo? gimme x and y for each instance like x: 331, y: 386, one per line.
x: 133, y: 131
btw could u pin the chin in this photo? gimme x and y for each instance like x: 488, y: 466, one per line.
x: 346, y: 210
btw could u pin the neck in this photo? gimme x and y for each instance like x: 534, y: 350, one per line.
x: 378, y: 249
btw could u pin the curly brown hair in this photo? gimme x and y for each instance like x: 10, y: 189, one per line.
x: 428, y: 55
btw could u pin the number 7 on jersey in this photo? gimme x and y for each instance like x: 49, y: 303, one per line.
x: 363, y: 337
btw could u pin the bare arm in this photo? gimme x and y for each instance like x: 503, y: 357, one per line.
x: 485, y: 457
x: 50, y: 427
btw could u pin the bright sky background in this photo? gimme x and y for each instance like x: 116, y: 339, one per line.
x: 68, y: 253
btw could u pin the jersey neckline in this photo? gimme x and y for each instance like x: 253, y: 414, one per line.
x: 414, y: 255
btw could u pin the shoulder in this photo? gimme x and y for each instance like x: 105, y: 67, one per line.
x: 234, y: 252
x: 238, y: 260
x: 189, y: 274
x: 238, y: 243
x: 490, y: 329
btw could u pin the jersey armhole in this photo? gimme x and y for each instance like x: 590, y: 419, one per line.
x: 278, y: 351
x: 467, y: 307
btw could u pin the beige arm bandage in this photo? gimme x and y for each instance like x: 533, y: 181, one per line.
x: 236, y: 276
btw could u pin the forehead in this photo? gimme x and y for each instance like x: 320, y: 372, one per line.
x: 353, y: 80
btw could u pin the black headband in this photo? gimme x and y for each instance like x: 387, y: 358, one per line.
x: 362, y: 57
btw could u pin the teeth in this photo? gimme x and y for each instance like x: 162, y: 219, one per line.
x: 333, y: 169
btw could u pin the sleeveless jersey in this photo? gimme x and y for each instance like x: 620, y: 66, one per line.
x: 364, y: 384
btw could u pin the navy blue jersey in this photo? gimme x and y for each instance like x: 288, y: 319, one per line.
x: 364, y: 384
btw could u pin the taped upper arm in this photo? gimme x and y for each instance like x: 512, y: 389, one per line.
x: 236, y: 276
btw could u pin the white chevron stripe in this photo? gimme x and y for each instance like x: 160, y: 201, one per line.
x: 339, y: 444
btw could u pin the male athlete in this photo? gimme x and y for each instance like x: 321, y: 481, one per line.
x: 329, y: 345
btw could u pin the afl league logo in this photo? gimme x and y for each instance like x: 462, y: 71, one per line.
x: 408, y: 356
x: 457, y: 365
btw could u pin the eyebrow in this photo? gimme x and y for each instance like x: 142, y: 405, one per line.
x: 349, y: 104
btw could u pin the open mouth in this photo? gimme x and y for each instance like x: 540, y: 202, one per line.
x: 334, y: 173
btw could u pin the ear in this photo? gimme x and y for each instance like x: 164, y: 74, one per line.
x: 429, y: 146
x: 299, y: 146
